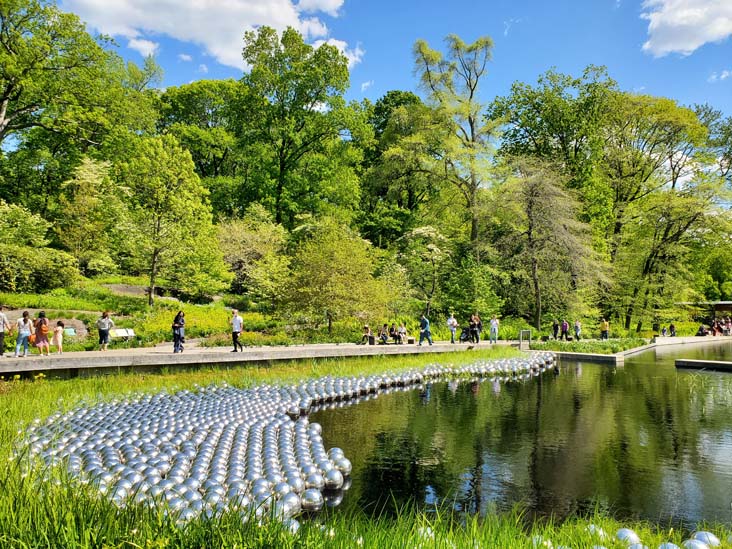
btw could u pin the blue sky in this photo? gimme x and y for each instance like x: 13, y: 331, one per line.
x: 675, y: 48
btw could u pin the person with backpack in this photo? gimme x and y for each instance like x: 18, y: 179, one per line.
x: 42, y: 327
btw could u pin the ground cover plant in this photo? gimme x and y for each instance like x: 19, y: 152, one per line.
x: 604, y: 347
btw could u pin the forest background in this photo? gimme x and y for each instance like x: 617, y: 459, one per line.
x: 566, y: 198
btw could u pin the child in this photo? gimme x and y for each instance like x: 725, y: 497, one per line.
x: 58, y: 337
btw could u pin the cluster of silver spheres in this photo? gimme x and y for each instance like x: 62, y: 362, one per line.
x: 221, y: 448
x: 628, y: 538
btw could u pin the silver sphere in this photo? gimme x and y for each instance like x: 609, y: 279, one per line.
x: 628, y: 536
x: 344, y: 466
x: 333, y: 479
x: 707, y: 537
x: 694, y: 544
x: 311, y: 500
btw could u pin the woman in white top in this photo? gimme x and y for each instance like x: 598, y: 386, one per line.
x: 25, y: 329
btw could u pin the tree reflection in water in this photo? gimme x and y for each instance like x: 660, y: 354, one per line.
x: 637, y: 441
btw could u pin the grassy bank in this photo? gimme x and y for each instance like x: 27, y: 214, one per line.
x: 607, y: 347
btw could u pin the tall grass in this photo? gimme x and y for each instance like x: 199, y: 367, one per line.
x: 607, y: 347
x: 58, y: 512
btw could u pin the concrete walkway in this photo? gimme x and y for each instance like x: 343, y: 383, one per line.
x: 163, y: 356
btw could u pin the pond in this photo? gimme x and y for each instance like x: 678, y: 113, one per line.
x: 640, y: 441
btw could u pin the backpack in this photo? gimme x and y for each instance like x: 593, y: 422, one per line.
x: 43, y: 326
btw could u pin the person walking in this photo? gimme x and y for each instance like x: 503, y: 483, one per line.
x: 179, y: 323
x: 5, y: 327
x: 236, y: 327
x: 104, y: 324
x: 577, y: 330
x: 604, y: 329
x: 42, y: 327
x: 25, y: 329
x: 565, y: 330
x: 493, y: 336
x: 452, y: 325
x: 555, y: 328
x: 476, y: 326
x: 424, y: 330
x: 58, y: 337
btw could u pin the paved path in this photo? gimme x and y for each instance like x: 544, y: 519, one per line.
x: 162, y: 355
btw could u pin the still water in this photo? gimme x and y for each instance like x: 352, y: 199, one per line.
x: 640, y: 441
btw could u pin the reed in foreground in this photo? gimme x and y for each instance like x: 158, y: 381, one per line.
x: 61, y: 513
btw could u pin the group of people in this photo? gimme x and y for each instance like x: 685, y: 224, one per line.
x: 39, y: 333
x: 397, y: 334
x: 31, y: 332
x: 474, y: 329
x: 560, y: 330
x: 718, y: 326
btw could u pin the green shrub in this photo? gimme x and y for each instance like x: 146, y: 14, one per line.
x: 28, y: 269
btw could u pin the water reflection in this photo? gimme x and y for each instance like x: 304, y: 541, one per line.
x: 640, y: 441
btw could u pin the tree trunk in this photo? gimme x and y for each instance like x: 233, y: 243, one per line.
x: 537, y: 292
x: 154, y: 265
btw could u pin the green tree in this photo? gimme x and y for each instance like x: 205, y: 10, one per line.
x: 294, y: 113
x: 463, y: 156
x: 333, y: 277
x: 170, y: 217
x: 91, y: 215
x: 561, y: 119
x: 254, y: 249
x: 395, y: 185
x: 203, y: 116
x: 426, y: 253
x: 20, y: 227
x: 544, y: 245
x: 49, y: 66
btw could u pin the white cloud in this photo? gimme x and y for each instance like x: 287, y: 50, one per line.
x: 203, y: 68
x: 144, y: 47
x: 216, y: 25
x: 330, y: 7
x: 353, y: 55
x: 508, y: 24
x: 719, y: 76
x: 682, y: 26
x: 185, y: 57
x: 366, y: 85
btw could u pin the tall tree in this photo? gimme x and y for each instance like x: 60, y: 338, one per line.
x: 544, y: 245
x: 91, y: 216
x: 294, y: 113
x: 170, y: 217
x: 48, y: 63
x: 452, y: 83
x: 203, y: 116
x: 561, y: 119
